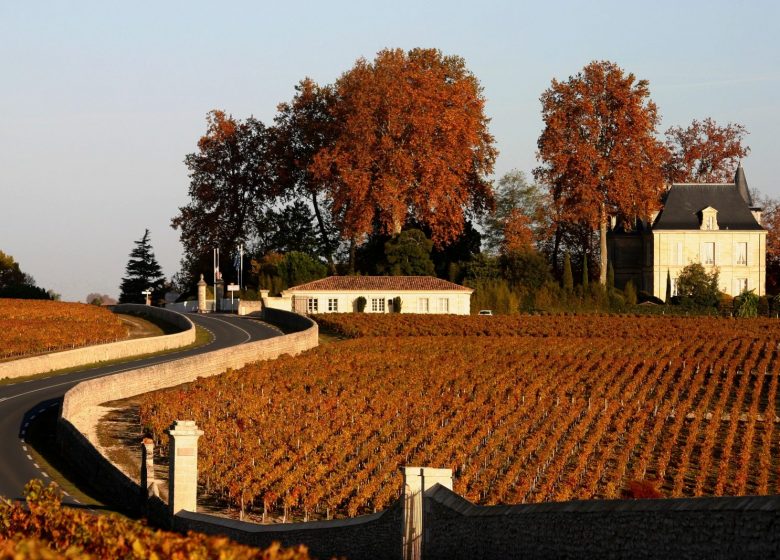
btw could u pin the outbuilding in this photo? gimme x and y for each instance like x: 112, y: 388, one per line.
x: 416, y: 294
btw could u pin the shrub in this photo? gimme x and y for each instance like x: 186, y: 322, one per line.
x: 361, y: 304
x: 630, y: 293
x: 642, y: 490
x: 746, y: 304
x: 696, y: 288
x: 397, y: 303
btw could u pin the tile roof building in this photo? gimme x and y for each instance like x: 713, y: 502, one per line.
x: 416, y: 294
x: 717, y: 225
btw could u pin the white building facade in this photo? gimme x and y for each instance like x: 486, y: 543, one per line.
x: 340, y: 294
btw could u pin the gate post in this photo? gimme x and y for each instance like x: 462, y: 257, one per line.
x: 416, y: 481
x: 183, y: 466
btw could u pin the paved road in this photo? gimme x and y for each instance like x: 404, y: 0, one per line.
x: 21, y: 402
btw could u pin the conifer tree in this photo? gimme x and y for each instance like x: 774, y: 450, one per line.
x: 584, y: 274
x: 142, y: 273
x: 668, y: 287
x: 568, y: 278
x: 610, y: 276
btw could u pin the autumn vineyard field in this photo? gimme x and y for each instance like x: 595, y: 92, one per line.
x: 523, y: 408
x: 42, y: 529
x: 33, y: 326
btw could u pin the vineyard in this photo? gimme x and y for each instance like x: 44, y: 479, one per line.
x: 523, y: 409
x: 34, y: 326
x: 46, y: 530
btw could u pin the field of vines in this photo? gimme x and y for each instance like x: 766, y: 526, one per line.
x: 523, y: 409
x: 34, y: 326
x: 41, y: 528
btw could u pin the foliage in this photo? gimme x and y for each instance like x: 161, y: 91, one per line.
x: 630, y: 293
x: 409, y: 254
x: 142, y: 273
x: 494, y: 294
x: 99, y: 299
x: 42, y: 528
x: 31, y: 327
x: 412, y: 141
x: 360, y: 303
x: 525, y: 268
x: 697, y: 288
x: 304, y: 126
x: 568, y: 279
x: 524, y: 409
x: 290, y: 228
x: 746, y: 304
x: 642, y: 490
x: 231, y: 176
x: 16, y: 284
x: 397, y: 303
x: 598, y: 149
x: 518, y: 202
x: 770, y: 220
x: 276, y: 272
x: 704, y: 152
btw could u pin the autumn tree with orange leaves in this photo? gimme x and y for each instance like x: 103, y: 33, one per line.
x: 413, y: 143
x: 705, y: 152
x: 599, y: 154
x: 231, y: 176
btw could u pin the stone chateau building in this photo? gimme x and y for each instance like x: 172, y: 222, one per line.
x: 717, y: 225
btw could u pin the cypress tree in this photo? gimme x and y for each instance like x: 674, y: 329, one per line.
x: 610, y: 276
x: 585, y: 273
x: 668, y: 287
x: 568, y: 278
x: 143, y: 272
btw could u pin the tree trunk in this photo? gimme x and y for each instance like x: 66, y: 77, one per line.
x: 556, y: 250
x: 323, y: 234
x: 352, y: 250
x: 603, y: 245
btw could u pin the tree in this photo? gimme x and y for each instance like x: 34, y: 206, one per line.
x: 99, y: 299
x: 514, y: 197
x: 568, y: 278
x: 696, y: 288
x: 409, y: 254
x: 598, y: 149
x: 231, y: 177
x: 412, y: 142
x: 770, y: 220
x: 704, y: 152
x: 290, y: 228
x: 298, y: 268
x: 142, y: 273
x: 305, y: 126
x: 10, y: 273
x: 524, y: 269
x: 16, y: 284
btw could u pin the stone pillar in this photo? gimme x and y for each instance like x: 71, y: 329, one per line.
x: 183, y: 466
x: 416, y: 481
x: 201, y: 295
x: 219, y: 294
x: 148, y: 482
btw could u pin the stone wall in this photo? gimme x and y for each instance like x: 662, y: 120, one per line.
x: 111, y: 351
x: 729, y: 527
x: 375, y: 537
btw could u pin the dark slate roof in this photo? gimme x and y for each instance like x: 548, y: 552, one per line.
x: 741, y: 182
x: 684, y: 202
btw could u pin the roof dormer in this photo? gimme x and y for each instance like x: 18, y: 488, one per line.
x: 709, y: 219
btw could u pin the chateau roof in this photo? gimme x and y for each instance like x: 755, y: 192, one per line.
x: 685, y: 201
x: 380, y: 283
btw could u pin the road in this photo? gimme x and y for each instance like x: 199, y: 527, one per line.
x: 21, y: 402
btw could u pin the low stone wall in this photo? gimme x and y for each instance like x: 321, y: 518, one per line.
x: 728, y: 527
x: 375, y: 537
x: 79, y: 451
x: 111, y: 351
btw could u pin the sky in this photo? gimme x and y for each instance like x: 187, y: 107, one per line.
x: 101, y: 101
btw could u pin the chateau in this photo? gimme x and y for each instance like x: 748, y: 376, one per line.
x: 717, y: 225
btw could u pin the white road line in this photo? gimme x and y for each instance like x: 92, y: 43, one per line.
x: 24, y: 447
x: 29, y: 457
x: 36, y: 465
x: 248, y: 336
x: 44, y: 474
x: 76, y: 500
x: 32, y: 417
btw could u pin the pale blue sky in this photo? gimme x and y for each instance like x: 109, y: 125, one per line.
x: 102, y: 100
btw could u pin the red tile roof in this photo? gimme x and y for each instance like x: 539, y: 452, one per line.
x: 380, y: 283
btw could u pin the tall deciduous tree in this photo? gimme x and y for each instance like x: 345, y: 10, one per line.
x: 598, y: 149
x: 413, y: 142
x: 305, y: 126
x: 231, y: 176
x: 705, y: 152
x: 142, y: 272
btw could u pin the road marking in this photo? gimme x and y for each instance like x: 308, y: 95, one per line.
x: 2, y: 399
x: 44, y: 474
x: 248, y: 336
x: 24, y: 447
x: 32, y: 417
x: 29, y: 457
x: 36, y: 465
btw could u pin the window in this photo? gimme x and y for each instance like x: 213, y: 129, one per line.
x: 444, y: 305
x: 741, y: 285
x: 741, y: 253
x: 710, y: 222
x: 378, y: 305
x: 333, y: 305
x: 422, y: 305
x: 312, y: 305
x: 708, y: 253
